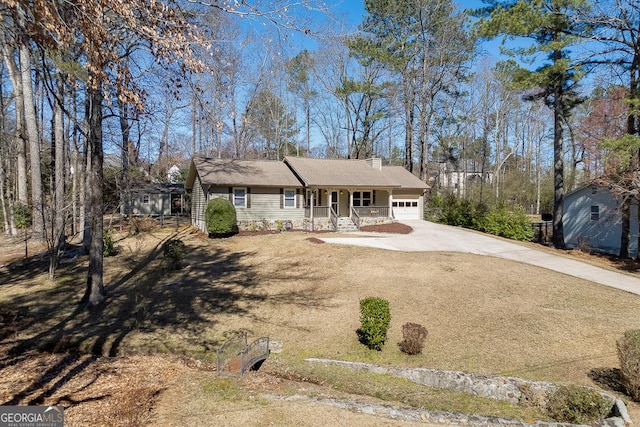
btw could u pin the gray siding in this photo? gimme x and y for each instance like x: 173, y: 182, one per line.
x: 264, y: 203
x: 159, y: 204
x: 601, y: 234
x: 198, y: 206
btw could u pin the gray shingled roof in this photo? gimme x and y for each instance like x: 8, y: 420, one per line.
x: 403, y: 177
x: 234, y: 172
x: 351, y: 173
x: 156, y: 188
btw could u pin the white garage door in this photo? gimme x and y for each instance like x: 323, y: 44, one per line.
x: 405, y: 209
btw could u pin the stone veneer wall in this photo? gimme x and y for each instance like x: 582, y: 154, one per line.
x: 319, y: 224
x: 514, y: 390
x: 269, y: 224
x: 375, y: 221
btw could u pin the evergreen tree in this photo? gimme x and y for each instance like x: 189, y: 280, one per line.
x: 299, y: 69
x: 425, y: 44
x: 551, y: 26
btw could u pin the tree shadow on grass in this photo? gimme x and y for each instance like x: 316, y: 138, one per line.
x: 149, y: 299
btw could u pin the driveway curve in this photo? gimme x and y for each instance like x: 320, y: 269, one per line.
x: 432, y: 237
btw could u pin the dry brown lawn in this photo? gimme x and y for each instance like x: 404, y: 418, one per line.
x: 146, y: 357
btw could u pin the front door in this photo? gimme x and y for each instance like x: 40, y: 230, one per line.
x: 334, y: 202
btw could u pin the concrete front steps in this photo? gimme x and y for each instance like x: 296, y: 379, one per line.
x: 345, y: 225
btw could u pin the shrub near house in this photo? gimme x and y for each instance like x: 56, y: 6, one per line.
x: 221, y: 217
x: 498, y: 220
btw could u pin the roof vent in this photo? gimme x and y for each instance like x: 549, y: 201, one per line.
x: 374, y: 162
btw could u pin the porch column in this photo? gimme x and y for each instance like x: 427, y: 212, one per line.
x: 313, y: 196
x: 350, y: 201
x: 330, y: 200
x: 390, y: 203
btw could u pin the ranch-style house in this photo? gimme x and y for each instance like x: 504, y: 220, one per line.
x: 306, y: 193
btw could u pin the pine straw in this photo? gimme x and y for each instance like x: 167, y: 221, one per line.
x: 95, y: 391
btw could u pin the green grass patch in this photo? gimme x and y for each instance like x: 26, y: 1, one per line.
x: 398, y: 390
x: 225, y: 389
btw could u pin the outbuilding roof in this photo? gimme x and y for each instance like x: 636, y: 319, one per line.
x: 156, y: 188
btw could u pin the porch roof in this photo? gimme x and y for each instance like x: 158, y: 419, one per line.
x: 350, y: 173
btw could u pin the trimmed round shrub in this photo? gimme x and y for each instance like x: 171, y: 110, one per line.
x: 221, y: 217
x: 629, y: 356
x: 413, y: 336
x: 578, y: 405
x: 374, y: 319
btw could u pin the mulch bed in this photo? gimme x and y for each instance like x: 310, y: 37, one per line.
x: 394, y: 227
x: 314, y: 240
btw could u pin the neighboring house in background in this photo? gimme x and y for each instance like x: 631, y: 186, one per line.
x: 156, y: 199
x: 305, y: 193
x: 455, y: 175
x: 173, y: 174
x: 593, y: 220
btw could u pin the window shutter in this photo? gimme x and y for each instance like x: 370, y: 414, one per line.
x: 231, y: 195
x: 282, y: 198
x: 248, y: 195
x: 373, y: 197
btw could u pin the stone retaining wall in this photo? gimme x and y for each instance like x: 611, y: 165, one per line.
x: 514, y: 390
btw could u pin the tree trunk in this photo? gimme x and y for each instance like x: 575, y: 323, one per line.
x: 307, y: 116
x: 31, y: 125
x: 20, y: 133
x: 85, y: 194
x: 558, y: 168
x: 125, y: 127
x: 59, y: 213
x: 626, y: 228
x: 3, y: 164
x: 408, y: 136
x: 95, y: 293
x: 633, y: 130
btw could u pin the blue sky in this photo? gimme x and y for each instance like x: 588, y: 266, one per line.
x: 354, y: 10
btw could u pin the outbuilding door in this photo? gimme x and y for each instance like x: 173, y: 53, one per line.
x: 405, y: 209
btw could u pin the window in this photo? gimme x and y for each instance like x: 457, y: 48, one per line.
x: 240, y: 197
x: 595, y: 213
x: 145, y: 199
x: 289, y: 198
x: 362, y: 198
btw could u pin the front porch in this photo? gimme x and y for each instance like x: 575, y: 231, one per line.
x: 348, y: 209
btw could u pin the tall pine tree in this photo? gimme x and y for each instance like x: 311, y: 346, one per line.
x: 550, y: 25
x: 425, y: 44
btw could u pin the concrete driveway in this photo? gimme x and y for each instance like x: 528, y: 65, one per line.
x: 429, y: 236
